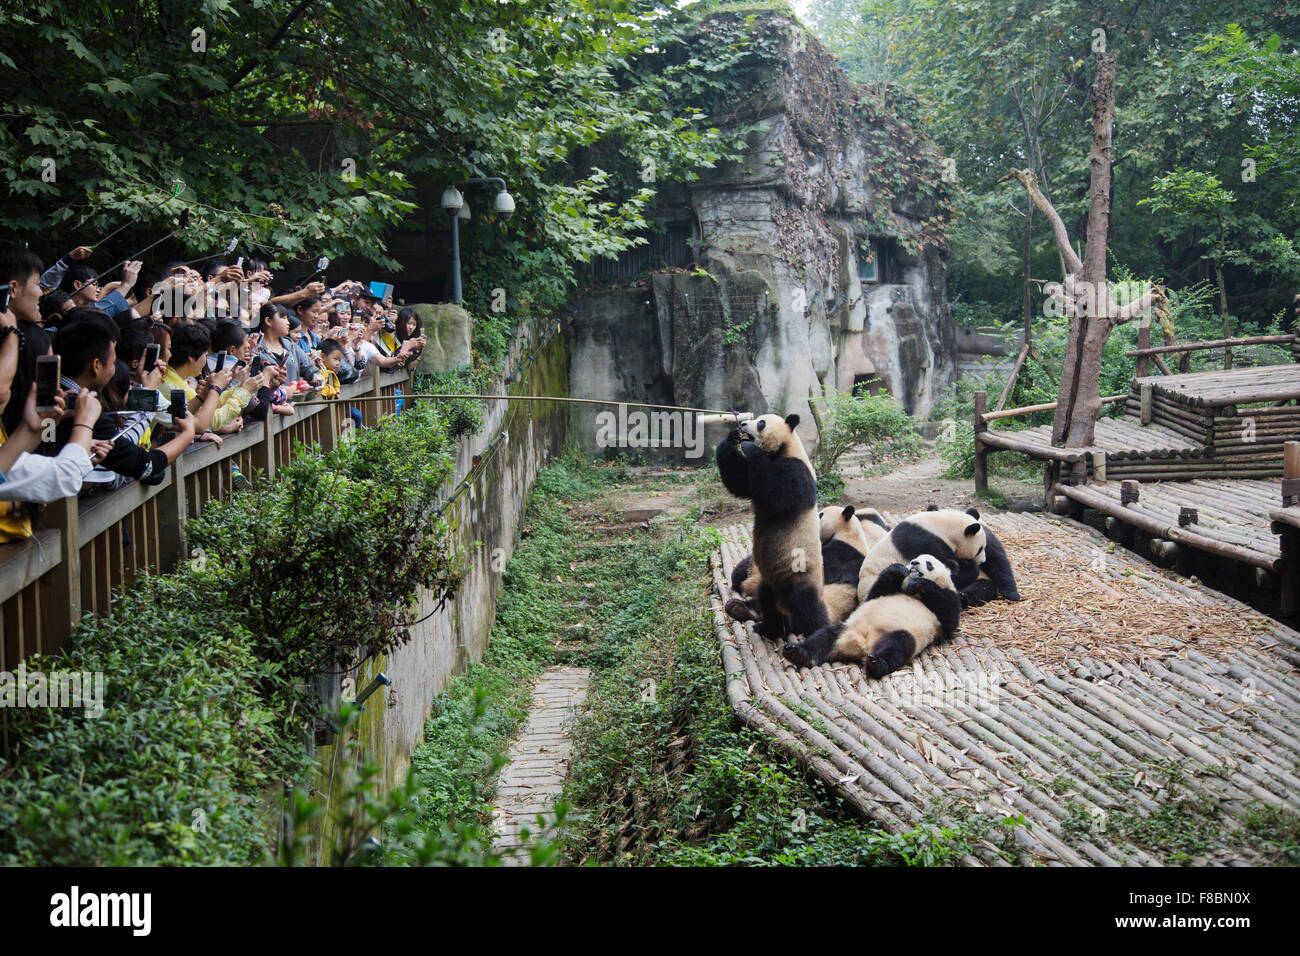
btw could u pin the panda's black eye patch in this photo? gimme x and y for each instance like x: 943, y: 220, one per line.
x: 762, y: 425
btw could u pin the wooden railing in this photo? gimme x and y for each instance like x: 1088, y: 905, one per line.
x: 93, y: 546
x: 1145, y: 350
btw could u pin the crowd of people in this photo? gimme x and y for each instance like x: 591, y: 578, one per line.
x: 146, y: 369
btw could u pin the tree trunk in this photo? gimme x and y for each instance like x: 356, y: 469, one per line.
x: 1085, y: 402
x: 1223, y: 311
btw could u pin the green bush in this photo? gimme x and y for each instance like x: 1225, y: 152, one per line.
x: 205, y: 668
x: 873, y: 420
x: 194, y: 726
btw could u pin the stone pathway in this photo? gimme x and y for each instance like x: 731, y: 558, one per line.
x: 539, y: 759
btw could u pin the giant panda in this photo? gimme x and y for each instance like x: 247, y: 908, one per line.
x: 873, y: 524
x: 845, y: 544
x: 981, y: 583
x: 945, y: 533
x: 763, y: 460
x: 845, y: 538
x: 910, y: 607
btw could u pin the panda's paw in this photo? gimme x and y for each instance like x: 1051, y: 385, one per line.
x: 875, y: 666
x: 1013, y: 596
x: 796, y: 655
x: 738, y: 610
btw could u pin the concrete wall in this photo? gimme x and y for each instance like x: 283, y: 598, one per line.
x: 484, y: 518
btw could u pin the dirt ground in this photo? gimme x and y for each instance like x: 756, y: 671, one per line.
x: 914, y: 486
x: 903, y: 490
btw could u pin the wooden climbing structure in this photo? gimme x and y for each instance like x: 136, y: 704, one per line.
x: 1188, y: 470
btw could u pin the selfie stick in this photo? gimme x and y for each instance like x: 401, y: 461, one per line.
x: 230, y: 247
x: 185, y: 218
x: 180, y: 188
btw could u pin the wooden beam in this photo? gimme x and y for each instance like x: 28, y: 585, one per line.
x: 1046, y: 407
x: 1216, y: 344
x: 1011, y: 379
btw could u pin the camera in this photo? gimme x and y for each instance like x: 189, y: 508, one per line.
x: 47, y: 382
x: 143, y: 400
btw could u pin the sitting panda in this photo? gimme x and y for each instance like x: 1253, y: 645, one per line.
x: 945, y: 533
x: 845, y: 543
x: 909, y: 608
x: 845, y: 538
x: 873, y: 524
x: 981, y: 583
x: 763, y: 460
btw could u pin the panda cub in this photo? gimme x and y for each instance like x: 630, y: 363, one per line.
x: 946, y: 534
x: 909, y: 608
x: 981, y: 583
x: 764, y: 460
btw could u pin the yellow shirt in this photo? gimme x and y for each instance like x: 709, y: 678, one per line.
x: 15, y: 525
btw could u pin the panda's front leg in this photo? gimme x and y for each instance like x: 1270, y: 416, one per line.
x: 889, y: 581
x: 773, y: 624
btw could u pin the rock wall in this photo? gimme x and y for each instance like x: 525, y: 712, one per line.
x: 775, y: 306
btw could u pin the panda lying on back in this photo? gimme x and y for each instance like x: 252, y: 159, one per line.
x: 909, y: 608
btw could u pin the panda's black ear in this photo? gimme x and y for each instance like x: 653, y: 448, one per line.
x: 931, y: 507
x: 792, y: 420
x: 972, y: 529
x: 847, y: 512
x: 972, y: 512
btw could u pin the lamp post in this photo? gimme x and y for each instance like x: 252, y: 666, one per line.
x: 453, y: 203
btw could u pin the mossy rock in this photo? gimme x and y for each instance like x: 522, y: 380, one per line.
x: 448, y: 329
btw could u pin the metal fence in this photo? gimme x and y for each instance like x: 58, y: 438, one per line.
x: 91, y: 547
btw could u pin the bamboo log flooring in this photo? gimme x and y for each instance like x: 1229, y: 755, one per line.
x: 1076, y: 709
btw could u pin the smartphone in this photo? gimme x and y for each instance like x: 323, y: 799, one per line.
x: 47, y: 381
x: 4, y: 298
x: 142, y: 400
x: 178, y: 408
x: 151, y: 357
x: 220, y: 363
x: 255, y: 366
x: 239, y: 263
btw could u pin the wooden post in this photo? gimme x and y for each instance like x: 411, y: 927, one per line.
x: 329, y: 433
x: 1098, y: 466
x: 1128, y: 492
x: 1290, y: 471
x: 1144, y: 342
x: 1146, y: 403
x: 1289, y: 596
x: 981, y: 455
x: 62, y: 608
x: 264, y: 451
x: 172, y: 514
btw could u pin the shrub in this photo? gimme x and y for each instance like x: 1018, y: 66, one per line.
x: 172, y: 772
x: 873, y: 420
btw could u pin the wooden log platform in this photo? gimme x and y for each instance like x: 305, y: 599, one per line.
x: 1061, y: 709
x: 1232, y: 516
x: 1239, y: 386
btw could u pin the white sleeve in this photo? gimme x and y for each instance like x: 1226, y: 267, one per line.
x: 41, y: 480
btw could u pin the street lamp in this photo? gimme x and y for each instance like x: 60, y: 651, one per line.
x: 454, y: 205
